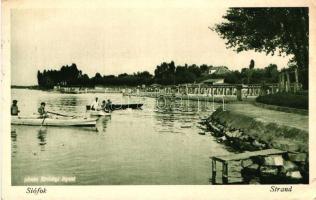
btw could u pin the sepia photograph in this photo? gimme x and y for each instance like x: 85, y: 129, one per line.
x: 158, y: 94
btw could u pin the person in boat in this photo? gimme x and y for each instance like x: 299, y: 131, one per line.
x: 14, y: 108
x: 109, y: 105
x: 95, y: 104
x: 41, y: 110
x: 103, y: 105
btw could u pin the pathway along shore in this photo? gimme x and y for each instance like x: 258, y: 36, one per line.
x: 246, y: 127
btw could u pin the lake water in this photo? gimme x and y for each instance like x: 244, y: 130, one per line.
x: 130, y: 146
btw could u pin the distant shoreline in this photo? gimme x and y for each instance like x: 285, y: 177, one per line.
x: 33, y: 87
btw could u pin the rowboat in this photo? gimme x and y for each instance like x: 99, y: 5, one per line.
x: 35, y: 121
x: 121, y: 106
x: 99, y: 113
x: 125, y: 106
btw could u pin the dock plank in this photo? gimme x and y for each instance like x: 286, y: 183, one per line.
x: 246, y: 155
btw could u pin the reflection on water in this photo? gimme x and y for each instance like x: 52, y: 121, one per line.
x: 104, y: 121
x: 14, y: 137
x: 42, y: 132
x: 129, y: 147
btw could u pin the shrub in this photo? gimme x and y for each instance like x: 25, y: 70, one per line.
x: 290, y: 100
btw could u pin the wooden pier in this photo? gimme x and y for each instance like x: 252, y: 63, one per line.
x: 238, y: 157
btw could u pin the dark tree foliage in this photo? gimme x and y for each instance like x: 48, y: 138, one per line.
x: 270, y: 30
x: 67, y: 75
x: 168, y: 73
x: 252, y: 64
x: 204, y: 68
x: 268, y: 74
x: 165, y: 74
x: 71, y: 76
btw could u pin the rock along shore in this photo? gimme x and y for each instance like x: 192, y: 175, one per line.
x: 244, y: 133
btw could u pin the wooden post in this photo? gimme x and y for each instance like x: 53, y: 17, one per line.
x: 280, y: 82
x: 225, y: 173
x: 296, y: 80
x: 213, y: 171
x: 288, y: 84
x: 296, y: 75
x: 186, y: 89
x: 238, y: 93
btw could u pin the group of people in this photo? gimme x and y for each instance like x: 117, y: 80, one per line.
x: 105, y: 106
x: 41, y: 110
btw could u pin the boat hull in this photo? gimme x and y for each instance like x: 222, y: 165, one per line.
x: 126, y: 106
x: 53, y: 122
x: 121, y: 106
x: 99, y: 113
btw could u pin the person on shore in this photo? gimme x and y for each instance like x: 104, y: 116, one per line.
x: 41, y: 110
x: 14, y: 108
x: 95, y: 104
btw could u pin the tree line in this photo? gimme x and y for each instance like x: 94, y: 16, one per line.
x: 72, y: 76
x: 167, y: 73
x: 271, y: 30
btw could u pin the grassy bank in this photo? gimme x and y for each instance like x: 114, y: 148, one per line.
x: 276, y: 133
x: 298, y: 101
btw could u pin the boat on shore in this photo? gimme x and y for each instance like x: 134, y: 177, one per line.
x: 35, y: 121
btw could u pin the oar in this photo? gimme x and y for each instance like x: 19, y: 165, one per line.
x: 60, y: 114
x: 43, y: 121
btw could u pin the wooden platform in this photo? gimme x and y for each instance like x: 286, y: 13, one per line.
x: 247, y: 155
x: 238, y: 157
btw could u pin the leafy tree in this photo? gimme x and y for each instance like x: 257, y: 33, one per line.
x: 268, y: 74
x: 204, y: 68
x: 165, y: 73
x: 269, y: 30
x: 183, y: 75
x: 252, y: 64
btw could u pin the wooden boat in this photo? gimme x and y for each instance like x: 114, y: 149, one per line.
x: 125, y: 106
x: 122, y: 106
x: 63, y: 121
x: 99, y: 113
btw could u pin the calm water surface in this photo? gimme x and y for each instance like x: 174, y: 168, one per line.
x: 130, y: 147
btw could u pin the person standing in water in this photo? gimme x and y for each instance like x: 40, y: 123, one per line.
x: 14, y: 108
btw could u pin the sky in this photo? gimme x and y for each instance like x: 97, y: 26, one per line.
x: 121, y: 39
